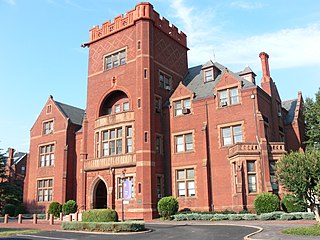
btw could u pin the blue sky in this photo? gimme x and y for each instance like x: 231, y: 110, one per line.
x: 41, y: 54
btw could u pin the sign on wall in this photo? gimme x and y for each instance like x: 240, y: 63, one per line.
x: 127, y: 189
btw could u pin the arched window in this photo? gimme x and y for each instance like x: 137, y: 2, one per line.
x: 115, y: 102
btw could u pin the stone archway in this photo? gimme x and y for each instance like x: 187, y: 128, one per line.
x: 100, y: 195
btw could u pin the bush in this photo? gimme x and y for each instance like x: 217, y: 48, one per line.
x: 129, y: 226
x: 20, y: 209
x: 266, y: 203
x: 167, y: 206
x: 291, y: 203
x: 307, y: 216
x: 55, y: 209
x: 100, y: 215
x: 219, y: 217
x: 69, y: 207
x: 270, y: 216
x: 249, y: 217
x: 9, y: 209
x: 235, y: 217
x: 287, y: 216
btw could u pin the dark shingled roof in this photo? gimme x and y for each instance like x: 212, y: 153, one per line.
x: 290, y: 106
x: 17, y: 157
x: 194, y: 80
x: 246, y: 70
x: 73, y: 113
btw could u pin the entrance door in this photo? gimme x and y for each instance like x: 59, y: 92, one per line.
x: 100, y: 195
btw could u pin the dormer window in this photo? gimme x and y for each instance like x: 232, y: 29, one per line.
x: 208, y: 75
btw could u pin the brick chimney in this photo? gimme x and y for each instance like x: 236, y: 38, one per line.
x: 10, y: 156
x: 265, y: 67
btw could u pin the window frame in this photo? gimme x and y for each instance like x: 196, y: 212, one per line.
x: 43, y: 155
x: 232, y: 135
x: 180, y: 111
x: 115, y: 59
x: 228, y: 99
x: 185, y: 182
x: 165, y: 81
x: 251, y: 173
x: 47, y: 127
x: 184, y: 143
x: 43, y: 189
x: 206, y: 76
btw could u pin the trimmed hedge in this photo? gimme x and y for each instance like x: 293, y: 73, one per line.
x: 20, y: 209
x: 55, y: 209
x: 69, y: 207
x: 168, y: 206
x: 129, y: 226
x: 307, y: 216
x: 266, y: 203
x: 100, y: 215
x: 291, y: 203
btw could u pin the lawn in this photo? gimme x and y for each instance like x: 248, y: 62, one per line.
x: 5, y: 232
x: 306, y: 231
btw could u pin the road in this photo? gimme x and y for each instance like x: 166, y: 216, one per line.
x: 158, y: 232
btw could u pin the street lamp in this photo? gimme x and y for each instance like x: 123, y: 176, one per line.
x: 123, y: 175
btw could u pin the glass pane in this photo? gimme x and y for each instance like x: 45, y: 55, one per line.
x: 119, y: 146
x: 129, y: 131
x: 112, y: 148
x: 251, y: 166
x: 252, y: 183
x: 113, y: 134
x: 223, y: 95
x: 208, y: 75
x: 181, y: 189
x: 191, y: 189
x: 178, y: 105
x: 117, y: 108
x: 190, y: 173
x: 40, y: 184
x: 47, y: 149
x: 126, y: 106
x: 129, y: 145
x: 105, y: 135
x: 181, y: 174
x: 119, y: 133
x: 187, y: 103
x: 105, y: 149
x: 237, y: 134
x: 50, y: 182
x: 226, y: 135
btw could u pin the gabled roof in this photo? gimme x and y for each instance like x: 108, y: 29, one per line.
x: 73, y: 113
x: 290, y: 106
x: 194, y: 80
x: 17, y: 157
x: 246, y: 70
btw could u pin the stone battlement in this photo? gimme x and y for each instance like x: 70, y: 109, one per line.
x: 142, y: 10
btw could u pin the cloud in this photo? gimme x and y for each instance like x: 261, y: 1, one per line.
x: 246, y: 5
x: 208, y: 39
x: 10, y: 2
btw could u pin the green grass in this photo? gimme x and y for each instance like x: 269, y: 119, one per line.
x: 305, y: 231
x: 5, y: 232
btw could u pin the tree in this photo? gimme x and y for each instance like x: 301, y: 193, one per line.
x: 312, y: 119
x: 299, y: 173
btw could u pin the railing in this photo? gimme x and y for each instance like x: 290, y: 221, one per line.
x: 276, y: 147
x: 111, y: 119
x: 244, y: 148
x: 111, y: 161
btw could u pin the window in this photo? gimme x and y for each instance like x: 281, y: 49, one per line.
x: 117, y: 108
x: 48, y: 127
x: 231, y: 135
x: 125, y: 106
x: 251, y: 174
x: 228, y: 97
x: 208, y: 75
x: 164, y: 81
x: 46, y: 155
x: 49, y: 109
x: 44, y: 190
x: 158, y: 104
x: 119, y: 185
x: 159, y: 186
x: 115, y: 59
x: 158, y: 144
x: 128, y: 139
x: 182, y: 107
x: 184, y: 142
x: 186, y: 183
x: 112, y: 142
x: 273, y: 180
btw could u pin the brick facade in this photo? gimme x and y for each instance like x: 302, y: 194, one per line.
x: 205, y: 135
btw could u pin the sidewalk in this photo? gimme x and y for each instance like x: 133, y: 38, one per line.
x: 271, y: 229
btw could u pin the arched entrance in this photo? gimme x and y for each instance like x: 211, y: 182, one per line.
x: 100, y: 195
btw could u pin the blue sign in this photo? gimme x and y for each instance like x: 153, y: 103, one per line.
x: 127, y: 189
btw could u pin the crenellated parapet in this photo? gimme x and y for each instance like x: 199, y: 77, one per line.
x: 143, y: 10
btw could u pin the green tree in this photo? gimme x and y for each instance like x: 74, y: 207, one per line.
x: 299, y: 173
x: 312, y: 119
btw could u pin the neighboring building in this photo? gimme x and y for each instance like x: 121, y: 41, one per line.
x: 16, y: 167
x: 206, y: 135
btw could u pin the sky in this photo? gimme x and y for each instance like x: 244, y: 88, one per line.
x: 41, y: 54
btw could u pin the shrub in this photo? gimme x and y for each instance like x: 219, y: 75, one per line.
x: 249, y: 217
x: 227, y: 211
x: 55, y: 209
x: 287, y: 216
x: 20, y: 209
x: 266, y: 203
x: 129, y: 226
x: 271, y: 216
x: 69, y: 207
x: 167, y: 206
x: 9, y: 209
x: 219, y: 217
x: 235, y: 217
x: 291, y: 203
x: 100, y: 215
x: 308, y: 215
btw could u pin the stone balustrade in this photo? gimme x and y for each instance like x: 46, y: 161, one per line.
x: 110, y: 161
x: 109, y: 120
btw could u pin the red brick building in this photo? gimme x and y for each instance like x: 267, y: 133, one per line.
x: 206, y: 135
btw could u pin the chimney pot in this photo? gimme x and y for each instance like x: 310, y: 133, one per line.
x: 265, y: 66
